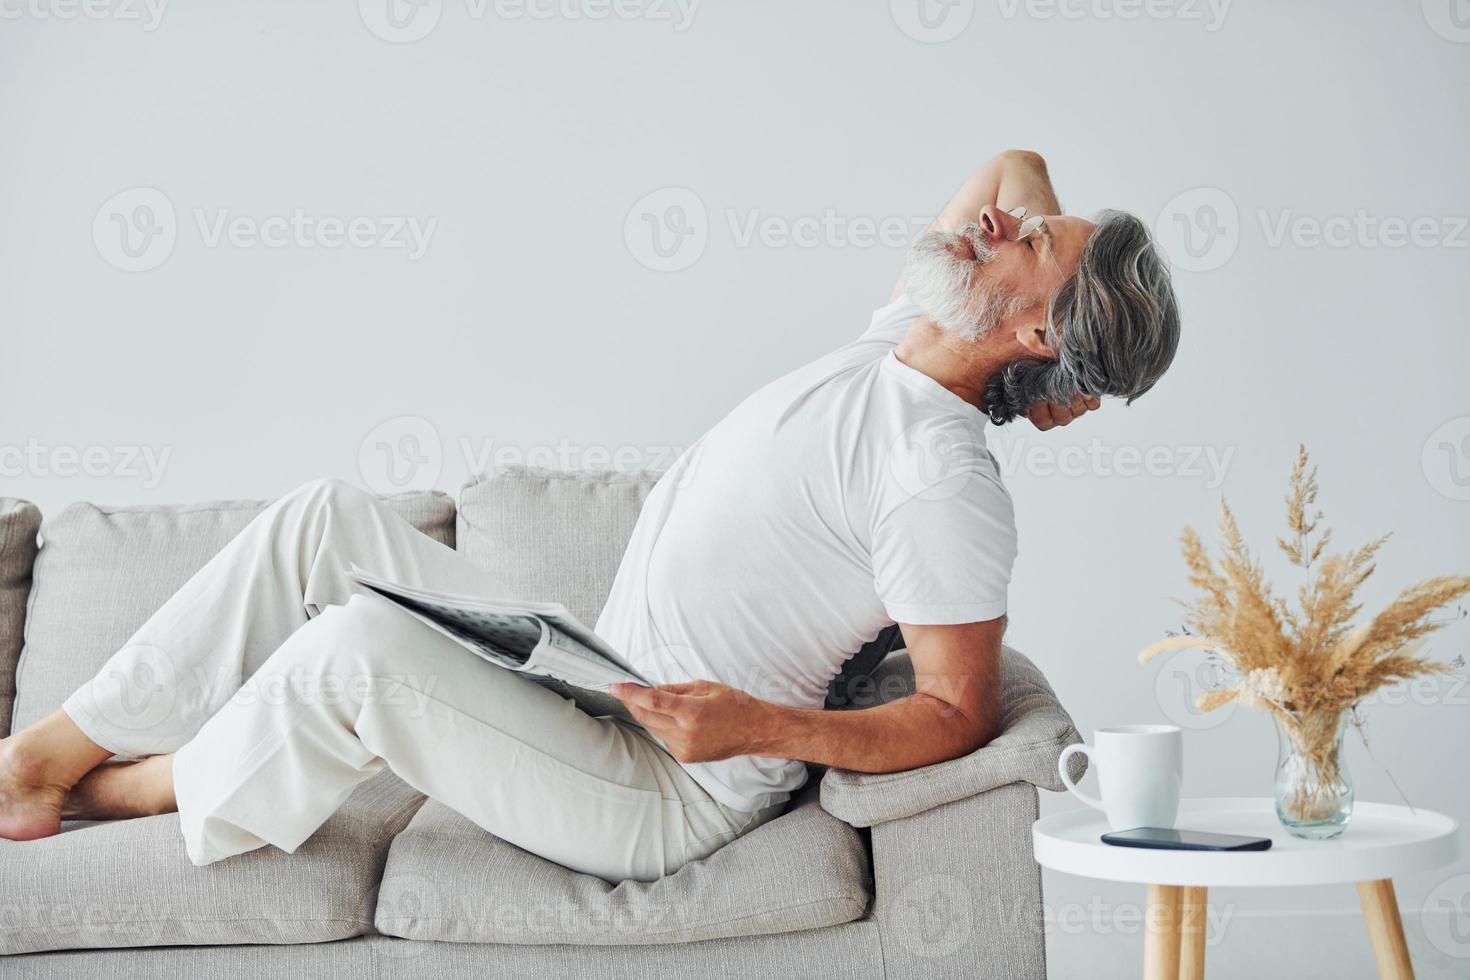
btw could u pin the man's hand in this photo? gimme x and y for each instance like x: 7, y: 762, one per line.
x: 698, y: 721
x: 1048, y: 415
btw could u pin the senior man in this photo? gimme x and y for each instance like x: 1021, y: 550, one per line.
x: 847, y: 496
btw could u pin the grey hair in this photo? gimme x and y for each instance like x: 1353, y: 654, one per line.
x: 1114, y: 325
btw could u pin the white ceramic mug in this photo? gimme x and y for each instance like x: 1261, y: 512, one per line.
x: 1140, y: 769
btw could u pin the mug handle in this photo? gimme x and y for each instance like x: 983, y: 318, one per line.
x: 1067, y: 753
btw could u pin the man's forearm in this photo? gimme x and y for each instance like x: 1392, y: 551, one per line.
x: 918, y: 730
x: 1026, y: 182
x: 1013, y: 178
x: 955, y: 710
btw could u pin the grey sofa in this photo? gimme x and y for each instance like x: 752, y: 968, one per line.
x: 919, y: 874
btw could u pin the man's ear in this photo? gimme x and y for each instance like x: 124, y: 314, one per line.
x: 1033, y: 338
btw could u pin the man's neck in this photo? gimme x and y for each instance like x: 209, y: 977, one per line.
x: 961, y: 365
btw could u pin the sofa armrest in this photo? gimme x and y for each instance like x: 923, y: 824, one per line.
x: 957, y: 893
x: 1035, y: 728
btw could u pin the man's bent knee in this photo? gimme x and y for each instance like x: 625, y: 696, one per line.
x: 353, y: 636
x: 331, y: 493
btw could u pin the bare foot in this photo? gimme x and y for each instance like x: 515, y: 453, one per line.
x: 30, y: 799
x: 119, y: 790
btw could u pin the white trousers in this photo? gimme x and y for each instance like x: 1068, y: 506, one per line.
x: 281, y: 689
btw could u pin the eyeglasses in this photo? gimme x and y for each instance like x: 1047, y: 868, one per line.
x: 1029, y: 226
x: 1034, y: 225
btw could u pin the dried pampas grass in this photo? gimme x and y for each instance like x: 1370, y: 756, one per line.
x: 1309, y: 664
x: 1311, y: 658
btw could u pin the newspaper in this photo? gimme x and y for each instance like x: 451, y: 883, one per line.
x: 542, y: 639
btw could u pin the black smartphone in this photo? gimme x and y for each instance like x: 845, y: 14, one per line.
x: 1185, y: 840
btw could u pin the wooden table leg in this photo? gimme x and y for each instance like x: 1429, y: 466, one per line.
x: 1161, y: 932
x: 1385, y: 929
x: 1194, y: 917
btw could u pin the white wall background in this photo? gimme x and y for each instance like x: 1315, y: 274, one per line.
x: 529, y: 322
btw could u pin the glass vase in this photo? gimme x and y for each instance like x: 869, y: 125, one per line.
x: 1314, y: 793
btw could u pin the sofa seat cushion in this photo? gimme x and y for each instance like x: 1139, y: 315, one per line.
x: 450, y: 881
x: 102, y: 571
x: 130, y: 883
x: 19, y: 523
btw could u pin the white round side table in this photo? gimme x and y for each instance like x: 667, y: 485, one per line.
x: 1381, y: 841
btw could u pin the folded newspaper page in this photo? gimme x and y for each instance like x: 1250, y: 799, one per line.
x: 538, y: 638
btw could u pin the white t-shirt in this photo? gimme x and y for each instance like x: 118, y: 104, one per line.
x: 848, y: 495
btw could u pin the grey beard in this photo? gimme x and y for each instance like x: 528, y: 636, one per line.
x: 956, y: 295
x: 954, y: 292
x: 1024, y: 382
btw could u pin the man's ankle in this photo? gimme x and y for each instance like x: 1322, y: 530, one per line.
x: 26, y: 763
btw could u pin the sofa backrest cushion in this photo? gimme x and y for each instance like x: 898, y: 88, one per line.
x: 19, y: 523
x: 102, y: 571
x: 553, y: 535
x: 558, y: 536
